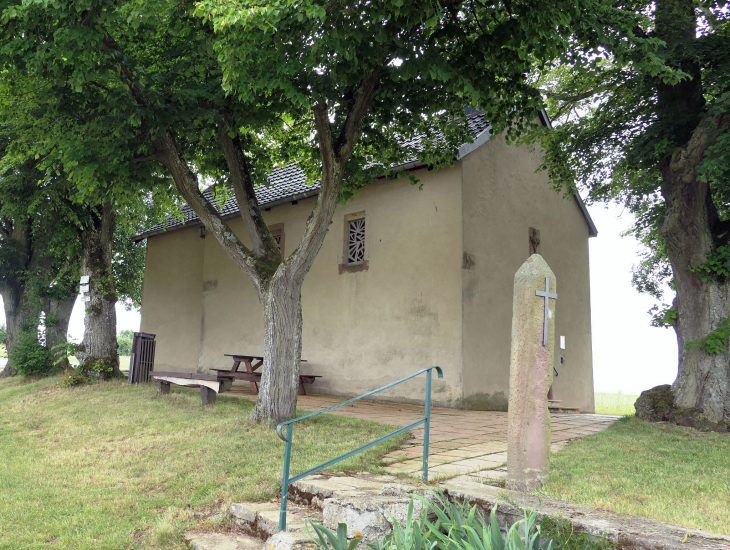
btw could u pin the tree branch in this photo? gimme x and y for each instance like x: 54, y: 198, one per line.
x: 264, y: 245
x: 170, y: 156
x: 334, y: 159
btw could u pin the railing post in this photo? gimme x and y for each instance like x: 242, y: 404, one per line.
x: 427, y: 426
x: 285, y: 479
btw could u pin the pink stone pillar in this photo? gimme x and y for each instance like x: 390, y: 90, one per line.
x: 531, y: 374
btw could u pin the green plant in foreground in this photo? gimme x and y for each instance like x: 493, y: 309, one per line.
x: 457, y: 527
x: 327, y: 540
x: 31, y: 357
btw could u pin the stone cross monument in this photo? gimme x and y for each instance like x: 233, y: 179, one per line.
x: 531, y: 374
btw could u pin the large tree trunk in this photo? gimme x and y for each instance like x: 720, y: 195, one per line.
x: 21, y: 314
x: 98, y: 350
x: 691, y: 225
x: 703, y: 379
x: 58, y: 315
x: 282, y: 305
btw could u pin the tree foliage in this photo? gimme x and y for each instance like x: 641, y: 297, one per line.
x: 612, y: 133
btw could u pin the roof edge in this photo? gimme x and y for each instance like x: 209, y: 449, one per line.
x: 592, y: 230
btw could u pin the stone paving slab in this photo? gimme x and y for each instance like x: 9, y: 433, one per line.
x: 222, y: 541
x: 473, y: 441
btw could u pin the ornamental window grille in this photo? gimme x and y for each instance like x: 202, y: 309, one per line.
x: 356, y: 241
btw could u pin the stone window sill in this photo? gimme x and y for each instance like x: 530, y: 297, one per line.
x: 354, y: 268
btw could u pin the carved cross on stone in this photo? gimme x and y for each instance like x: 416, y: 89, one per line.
x: 547, y: 295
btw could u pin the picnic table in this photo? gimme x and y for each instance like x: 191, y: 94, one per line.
x: 251, y: 374
x: 222, y: 381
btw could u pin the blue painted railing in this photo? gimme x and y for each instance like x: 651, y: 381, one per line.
x: 426, y: 420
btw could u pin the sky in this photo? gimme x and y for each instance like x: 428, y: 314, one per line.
x: 629, y: 355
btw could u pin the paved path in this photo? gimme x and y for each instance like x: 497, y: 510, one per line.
x: 468, y: 443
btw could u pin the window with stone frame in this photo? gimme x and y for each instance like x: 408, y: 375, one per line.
x: 355, y: 240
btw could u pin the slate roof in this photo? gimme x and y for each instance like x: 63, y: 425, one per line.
x: 285, y: 184
x: 289, y: 183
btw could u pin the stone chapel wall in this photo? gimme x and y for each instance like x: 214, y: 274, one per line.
x: 172, y: 303
x: 503, y: 197
x: 362, y: 328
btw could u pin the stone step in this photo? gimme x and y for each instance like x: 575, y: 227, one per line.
x: 261, y: 520
x: 222, y: 541
x: 314, y: 490
x: 366, y: 503
x: 563, y: 410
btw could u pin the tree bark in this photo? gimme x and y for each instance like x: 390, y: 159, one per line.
x: 21, y: 314
x: 98, y: 349
x: 691, y: 224
x: 703, y: 379
x: 58, y: 315
x: 282, y: 308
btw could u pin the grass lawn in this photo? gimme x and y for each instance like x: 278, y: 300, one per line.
x: 615, y: 403
x: 113, y: 466
x: 657, y: 471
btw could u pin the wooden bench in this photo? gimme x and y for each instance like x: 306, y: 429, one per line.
x: 213, y: 384
x: 209, y: 384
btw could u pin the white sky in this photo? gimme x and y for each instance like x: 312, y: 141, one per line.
x: 629, y: 355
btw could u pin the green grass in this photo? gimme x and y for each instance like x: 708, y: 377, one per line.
x: 615, y: 403
x: 114, y: 466
x: 658, y: 471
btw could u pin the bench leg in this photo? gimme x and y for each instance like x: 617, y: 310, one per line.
x: 207, y: 396
x: 226, y: 385
x: 302, y: 391
x: 163, y: 388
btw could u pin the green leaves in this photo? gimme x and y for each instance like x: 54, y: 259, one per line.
x: 715, y: 342
x: 717, y: 265
x: 327, y: 540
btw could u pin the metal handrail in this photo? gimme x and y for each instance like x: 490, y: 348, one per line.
x: 287, y: 481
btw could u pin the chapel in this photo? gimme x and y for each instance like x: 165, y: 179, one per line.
x: 408, y: 277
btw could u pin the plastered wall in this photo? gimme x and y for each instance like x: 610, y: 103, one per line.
x: 361, y: 329
x: 172, y: 302
x: 503, y: 197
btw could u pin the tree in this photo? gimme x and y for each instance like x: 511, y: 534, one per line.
x: 59, y: 134
x: 125, y: 339
x: 225, y: 91
x: 653, y: 131
x: 38, y: 257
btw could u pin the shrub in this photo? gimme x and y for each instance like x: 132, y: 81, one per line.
x: 124, y: 340
x: 3, y: 335
x: 73, y: 378
x: 31, y: 357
